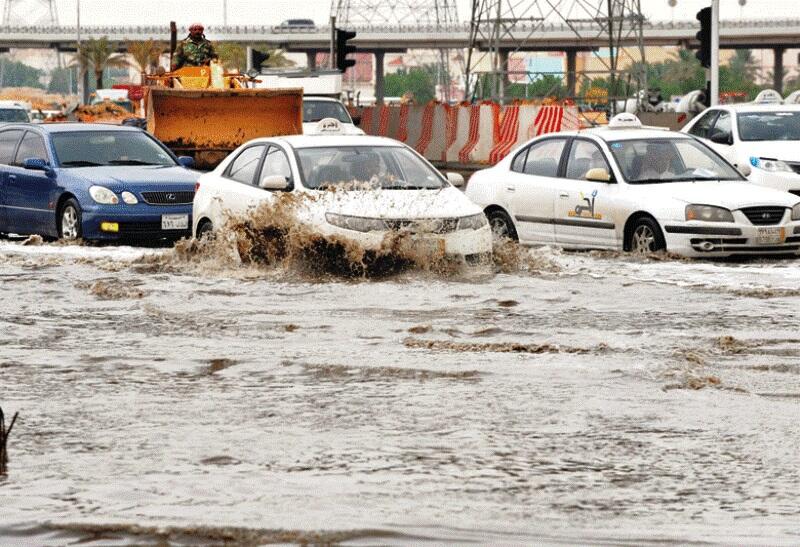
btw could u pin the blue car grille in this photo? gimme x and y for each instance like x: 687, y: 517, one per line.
x: 168, y: 198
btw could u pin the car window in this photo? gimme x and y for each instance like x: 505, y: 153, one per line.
x: 518, y: 163
x: 8, y: 144
x: 584, y: 155
x: 13, y: 115
x: 366, y: 167
x: 243, y: 168
x: 544, y: 157
x: 276, y: 163
x: 722, y: 126
x: 32, y: 146
x: 769, y: 126
x: 700, y: 129
x: 314, y: 111
x: 663, y: 160
x: 103, y: 147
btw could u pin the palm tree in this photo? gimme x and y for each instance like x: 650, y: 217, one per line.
x: 145, y: 55
x: 743, y: 64
x: 98, y: 54
x: 233, y: 56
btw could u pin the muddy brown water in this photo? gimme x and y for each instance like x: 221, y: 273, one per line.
x: 579, y: 398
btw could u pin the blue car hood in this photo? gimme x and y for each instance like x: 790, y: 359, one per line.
x: 137, y: 177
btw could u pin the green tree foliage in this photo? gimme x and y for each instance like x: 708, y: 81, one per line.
x: 547, y: 85
x: 17, y: 74
x: 63, y: 81
x: 98, y: 55
x: 233, y: 56
x: 420, y: 81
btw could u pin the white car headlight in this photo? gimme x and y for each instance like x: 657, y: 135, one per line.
x: 708, y: 213
x: 773, y: 166
x: 796, y: 212
x: 472, y: 222
x: 103, y: 195
x: 359, y: 224
x: 129, y: 198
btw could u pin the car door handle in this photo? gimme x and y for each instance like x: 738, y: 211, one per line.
x: 511, y: 188
x: 563, y: 195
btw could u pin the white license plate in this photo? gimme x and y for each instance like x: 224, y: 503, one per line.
x: 174, y: 222
x: 770, y: 236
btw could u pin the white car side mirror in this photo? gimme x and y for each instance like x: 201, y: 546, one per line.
x: 598, y: 174
x: 274, y: 182
x: 745, y: 169
x: 456, y: 179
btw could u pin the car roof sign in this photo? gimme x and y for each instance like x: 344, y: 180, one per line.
x: 768, y: 96
x: 625, y: 120
x: 327, y: 126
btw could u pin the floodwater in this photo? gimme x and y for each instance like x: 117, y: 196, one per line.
x: 583, y: 398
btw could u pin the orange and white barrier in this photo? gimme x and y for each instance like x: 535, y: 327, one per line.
x: 438, y: 145
x: 367, y: 118
x: 426, y: 128
x: 414, y: 125
x: 402, y: 123
x: 476, y: 127
x: 523, y: 122
x: 382, y: 125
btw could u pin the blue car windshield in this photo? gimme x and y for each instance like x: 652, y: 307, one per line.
x: 96, y: 148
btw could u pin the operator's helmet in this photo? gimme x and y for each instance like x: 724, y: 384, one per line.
x: 196, y: 26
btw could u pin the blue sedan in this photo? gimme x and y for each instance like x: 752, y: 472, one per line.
x: 92, y: 181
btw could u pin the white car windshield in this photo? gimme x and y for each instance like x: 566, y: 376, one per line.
x: 314, y: 111
x: 372, y: 167
x: 13, y: 115
x: 669, y: 160
x: 769, y: 126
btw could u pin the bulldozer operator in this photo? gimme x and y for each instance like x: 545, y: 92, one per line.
x: 194, y: 50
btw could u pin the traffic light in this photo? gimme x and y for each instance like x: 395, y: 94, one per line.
x: 258, y: 58
x: 342, y: 49
x: 704, y: 37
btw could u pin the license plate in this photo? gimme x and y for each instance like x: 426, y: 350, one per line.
x: 174, y: 222
x: 430, y: 247
x: 770, y: 236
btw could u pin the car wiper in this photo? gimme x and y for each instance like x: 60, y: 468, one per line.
x: 131, y: 162
x: 651, y: 181
x: 80, y: 163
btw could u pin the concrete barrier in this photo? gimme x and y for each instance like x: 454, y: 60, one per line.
x: 426, y: 128
x: 438, y: 145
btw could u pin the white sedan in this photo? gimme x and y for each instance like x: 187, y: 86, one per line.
x: 637, y: 189
x: 764, y: 136
x: 360, y: 188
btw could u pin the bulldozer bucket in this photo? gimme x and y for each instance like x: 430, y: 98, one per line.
x: 210, y: 123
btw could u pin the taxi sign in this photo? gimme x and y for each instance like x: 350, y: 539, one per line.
x: 328, y: 126
x: 769, y: 96
x: 625, y: 120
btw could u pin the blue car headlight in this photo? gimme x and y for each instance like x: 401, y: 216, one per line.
x: 102, y: 195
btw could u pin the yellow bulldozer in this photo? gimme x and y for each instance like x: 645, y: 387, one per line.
x: 206, y: 113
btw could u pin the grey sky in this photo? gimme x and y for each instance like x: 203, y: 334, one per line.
x: 269, y: 12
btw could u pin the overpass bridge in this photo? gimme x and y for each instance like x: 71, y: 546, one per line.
x: 754, y: 34
x: 777, y: 35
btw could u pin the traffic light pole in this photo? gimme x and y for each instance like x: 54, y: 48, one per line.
x: 332, y: 56
x: 714, y: 99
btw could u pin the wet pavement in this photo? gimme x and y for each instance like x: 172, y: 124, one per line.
x: 586, y: 398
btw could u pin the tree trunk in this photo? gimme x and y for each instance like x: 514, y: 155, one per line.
x: 98, y: 79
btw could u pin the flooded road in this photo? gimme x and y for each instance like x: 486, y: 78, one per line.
x: 594, y: 398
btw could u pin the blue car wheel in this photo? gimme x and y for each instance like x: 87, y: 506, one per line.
x: 69, y: 225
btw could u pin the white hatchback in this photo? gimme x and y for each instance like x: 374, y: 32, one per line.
x: 763, y: 136
x: 360, y: 188
x: 628, y: 187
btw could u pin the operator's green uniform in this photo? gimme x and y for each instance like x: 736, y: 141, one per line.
x: 194, y: 53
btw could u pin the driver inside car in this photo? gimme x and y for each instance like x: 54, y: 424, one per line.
x: 657, y: 163
x: 366, y: 168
